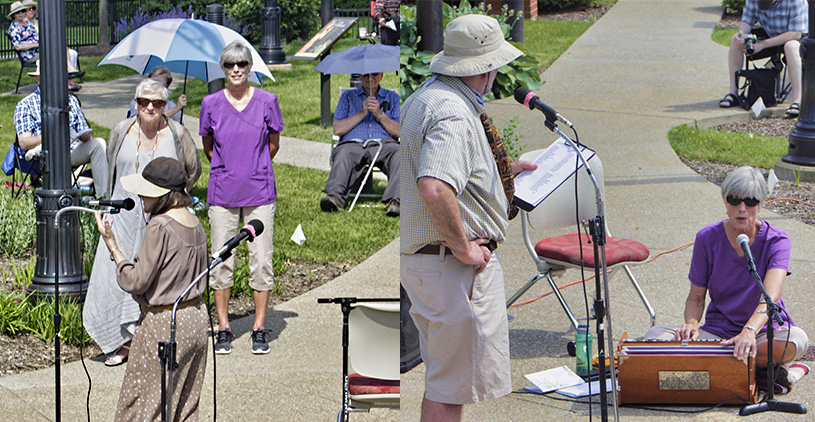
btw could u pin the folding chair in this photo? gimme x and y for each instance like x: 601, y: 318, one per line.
x: 775, y: 60
x: 364, y: 188
x: 16, y: 162
x: 370, y: 354
x: 555, y: 254
x: 23, y: 64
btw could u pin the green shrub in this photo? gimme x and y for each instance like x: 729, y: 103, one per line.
x: 17, y: 225
x: 555, y: 5
x: 733, y: 6
x: 299, y: 19
x: 414, y: 65
x: 13, y: 309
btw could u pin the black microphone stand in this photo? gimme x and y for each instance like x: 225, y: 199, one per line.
x: 167, y: 350
x: 601, y: 309
x: 770, y: 403
x: 57, y: 314
x: 345, y: 304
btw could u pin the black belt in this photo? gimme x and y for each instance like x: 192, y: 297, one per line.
x: 436, y: 249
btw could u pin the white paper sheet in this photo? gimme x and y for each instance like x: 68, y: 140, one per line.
x: 555, y: 164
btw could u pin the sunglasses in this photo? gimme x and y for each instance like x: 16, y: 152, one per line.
x: 143, y: 102
x: 368, y: 75
x: 750, y: 202
x: 33, y: 9
x: 241, y: 64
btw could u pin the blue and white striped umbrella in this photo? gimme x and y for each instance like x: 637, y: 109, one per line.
x: 189, y: 46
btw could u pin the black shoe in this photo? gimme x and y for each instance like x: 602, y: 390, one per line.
x: 330, y: 204
x: 260, y: 346
x: 77, y: 74
x: 223, y: 342
x: 393, y: 208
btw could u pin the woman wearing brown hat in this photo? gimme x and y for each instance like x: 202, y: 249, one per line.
x: 172, y: 252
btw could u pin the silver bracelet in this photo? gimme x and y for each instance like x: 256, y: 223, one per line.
x: 750, y: 327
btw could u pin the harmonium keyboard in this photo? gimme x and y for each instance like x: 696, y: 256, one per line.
x: 687, y: 372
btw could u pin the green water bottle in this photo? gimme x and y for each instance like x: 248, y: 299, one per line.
x: 583, y: 350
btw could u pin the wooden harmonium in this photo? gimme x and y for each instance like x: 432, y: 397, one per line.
x: 687, y: 372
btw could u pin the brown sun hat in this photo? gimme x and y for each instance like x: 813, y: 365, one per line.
x: 160, y: 176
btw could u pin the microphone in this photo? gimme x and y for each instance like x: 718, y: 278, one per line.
x: 531, y: 100
x: 251, y: 230
x: 127, y: 204
x: 744, y: 242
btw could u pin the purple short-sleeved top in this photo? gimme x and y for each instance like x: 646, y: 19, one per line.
x: 733, y: 292
x: 241, y: 173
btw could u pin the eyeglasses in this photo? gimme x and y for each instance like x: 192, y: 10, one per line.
x: 368, y: 75
x: 33, y: 9
x: 750, y: 202
x: 143, y: 102
x: 241, y: 64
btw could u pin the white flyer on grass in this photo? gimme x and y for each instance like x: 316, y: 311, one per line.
x: 553, y: 379
x: 555, y: 164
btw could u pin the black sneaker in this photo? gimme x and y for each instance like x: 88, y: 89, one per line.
x: 223, y: 341
x: 260, y: 346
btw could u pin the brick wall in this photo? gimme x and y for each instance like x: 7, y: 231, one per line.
x: 530, y: 8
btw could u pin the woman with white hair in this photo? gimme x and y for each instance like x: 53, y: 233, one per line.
x: 736, y: 313
x: 110, y: 314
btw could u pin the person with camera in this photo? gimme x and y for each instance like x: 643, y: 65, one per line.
x: 783, y: 24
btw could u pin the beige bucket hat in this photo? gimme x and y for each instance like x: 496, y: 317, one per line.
x: 473, y: 45
x: 15, y: 7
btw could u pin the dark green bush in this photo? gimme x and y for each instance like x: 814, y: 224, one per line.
x: 555, y: 5
x: 414, y: 65
x: 733, y: 6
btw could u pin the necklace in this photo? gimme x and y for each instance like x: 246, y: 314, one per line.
x: 138, y: 145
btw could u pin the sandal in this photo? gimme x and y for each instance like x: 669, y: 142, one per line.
x: 117, y: 358
x: 729, y: 100
x: 794, y: 110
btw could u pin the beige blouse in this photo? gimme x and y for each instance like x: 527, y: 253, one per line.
x: 171, y: 255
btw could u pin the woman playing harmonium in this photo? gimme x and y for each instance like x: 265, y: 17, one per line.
x: 719, y: 269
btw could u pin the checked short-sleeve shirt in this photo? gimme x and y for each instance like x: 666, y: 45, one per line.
x: 442, y: 137
x: 350, y: 103
x: 28, y: 115
x: 783, y: 16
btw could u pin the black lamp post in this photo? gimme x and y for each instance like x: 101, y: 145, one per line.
x: 802, y: 137
x: 215, y: 14
x: 270, y: 48
x: 56, y: 192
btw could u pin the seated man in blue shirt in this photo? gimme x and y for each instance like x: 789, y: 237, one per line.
x: 84, y: 147
x: 367, y: 112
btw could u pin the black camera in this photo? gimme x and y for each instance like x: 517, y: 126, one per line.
x: 749, y: 41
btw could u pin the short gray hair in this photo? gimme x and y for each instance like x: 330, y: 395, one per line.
x: 745, y: 182
x: 152, y: 86
x: 236, y: 51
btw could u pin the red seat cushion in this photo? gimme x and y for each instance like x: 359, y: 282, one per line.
x: 358, y: 384
x: 565, y: 248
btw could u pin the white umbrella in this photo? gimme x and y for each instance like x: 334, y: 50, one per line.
x: 189, y: 46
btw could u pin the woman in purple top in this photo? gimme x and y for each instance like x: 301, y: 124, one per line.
x: 719, y: 270
x: 240, y: 128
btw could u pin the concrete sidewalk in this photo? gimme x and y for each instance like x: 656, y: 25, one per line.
x: 644, y: 67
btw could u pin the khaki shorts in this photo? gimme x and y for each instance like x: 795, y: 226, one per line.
x: 797, y: 337
x: 462, y: 322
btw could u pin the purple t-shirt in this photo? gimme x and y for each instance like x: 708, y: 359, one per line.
x: 733, y: 292
x: 241, y: 173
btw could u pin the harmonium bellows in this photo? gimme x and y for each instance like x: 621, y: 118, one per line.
x: 686, y: 372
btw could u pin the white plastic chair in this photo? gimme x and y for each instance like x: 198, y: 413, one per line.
x: 371, y: 353
x: 554, y: 254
